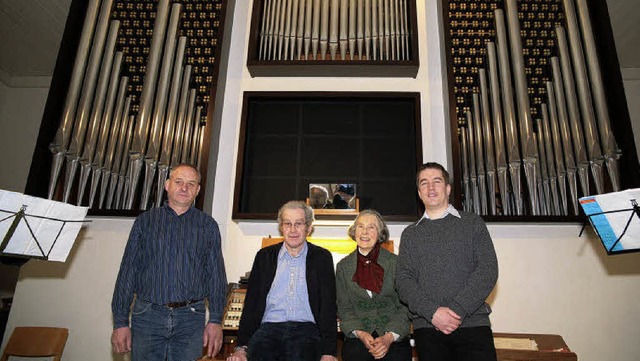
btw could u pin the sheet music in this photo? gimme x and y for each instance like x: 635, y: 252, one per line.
x: 512, y: 343
x: 611, y: 225
x: 45, y: 230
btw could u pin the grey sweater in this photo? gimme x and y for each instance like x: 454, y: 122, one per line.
x: 447, y: 262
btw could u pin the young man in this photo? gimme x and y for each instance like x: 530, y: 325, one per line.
x: 290, y: 308
x: 447, y: 268
x: 172, y: 262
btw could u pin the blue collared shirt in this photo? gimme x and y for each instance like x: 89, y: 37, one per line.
x: 288, y: 299
x: 171, y: 258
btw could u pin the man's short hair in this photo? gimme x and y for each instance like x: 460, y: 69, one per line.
x: 383, y: 230
x: 308, y: 211
x: 432, y: 165
x: 188, y: 166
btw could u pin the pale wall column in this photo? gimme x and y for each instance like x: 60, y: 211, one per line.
x: 436, y: 127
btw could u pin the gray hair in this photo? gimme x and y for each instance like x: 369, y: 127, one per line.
x: 318, y: 196
x: 308, y: 211
x: 383, y: 230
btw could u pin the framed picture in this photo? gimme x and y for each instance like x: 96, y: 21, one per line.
x: 333, y: 198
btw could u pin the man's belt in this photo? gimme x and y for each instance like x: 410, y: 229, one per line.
x: 181, y: 304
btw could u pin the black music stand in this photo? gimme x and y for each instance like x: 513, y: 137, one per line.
x: 615, y: 217
x: 31, y: 227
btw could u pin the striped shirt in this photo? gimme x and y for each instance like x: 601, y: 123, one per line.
x: 288, y: 298
x: 171, y: 258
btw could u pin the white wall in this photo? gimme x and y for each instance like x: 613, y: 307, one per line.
x: 550, y: 281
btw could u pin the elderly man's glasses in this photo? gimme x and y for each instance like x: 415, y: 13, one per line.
x: 296, y: 225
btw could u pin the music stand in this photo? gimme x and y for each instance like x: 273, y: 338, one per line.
x: 38, y: 228
x: 616, y: 219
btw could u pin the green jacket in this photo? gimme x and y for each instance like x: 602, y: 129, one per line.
x: 357, y: 311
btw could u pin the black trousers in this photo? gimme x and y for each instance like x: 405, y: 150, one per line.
x: 354, y: 350
x: 463, y: 344
x: 285, y: 341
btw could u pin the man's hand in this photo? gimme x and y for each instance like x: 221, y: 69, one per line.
x: 328, y: 358
x: 366, y: 338
x: 212, y: 338
x: 239, y: 355
x: 445, y: 320
x: 121, y: 340
x: 381, y: 345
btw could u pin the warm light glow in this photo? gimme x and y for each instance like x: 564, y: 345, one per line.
x: 341, y: 246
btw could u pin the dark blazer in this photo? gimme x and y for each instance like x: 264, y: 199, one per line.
x: 357, y: 311
x: 321, y: 285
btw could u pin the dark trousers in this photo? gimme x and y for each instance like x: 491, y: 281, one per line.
x: 354, y: 350
x: 285, y: 341
x: 463, y: 344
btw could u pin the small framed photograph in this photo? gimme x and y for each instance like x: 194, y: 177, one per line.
x: 333, y: 198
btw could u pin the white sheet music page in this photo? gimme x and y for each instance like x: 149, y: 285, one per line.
x: 611, y: 225
x: 45, y: 230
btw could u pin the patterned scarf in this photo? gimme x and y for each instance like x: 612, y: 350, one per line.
x: 369, y: 274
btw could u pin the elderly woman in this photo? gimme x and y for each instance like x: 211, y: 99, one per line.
x: 373, y: 320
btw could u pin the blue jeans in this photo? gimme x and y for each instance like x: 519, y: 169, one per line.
x: 160, y: 333
x: 285, y: 341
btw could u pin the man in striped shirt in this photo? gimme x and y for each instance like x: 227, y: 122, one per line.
x: 172, y: 262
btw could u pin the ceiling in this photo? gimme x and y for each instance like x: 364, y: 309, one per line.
x: 30, y: 33
x: 625, y: 21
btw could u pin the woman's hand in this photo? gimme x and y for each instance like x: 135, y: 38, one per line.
x: 366, y: 338
x: 238, y: 355
x: 381, y: 346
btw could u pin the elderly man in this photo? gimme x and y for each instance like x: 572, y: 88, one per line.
x: 447, y: 268
x: 172, y: 262
x: 290, y: 308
